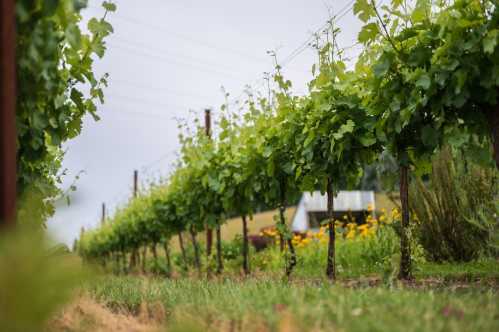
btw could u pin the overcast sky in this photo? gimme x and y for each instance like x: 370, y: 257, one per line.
x: 168, y: 59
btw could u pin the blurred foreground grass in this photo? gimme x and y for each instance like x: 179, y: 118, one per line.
x: 36, y: 279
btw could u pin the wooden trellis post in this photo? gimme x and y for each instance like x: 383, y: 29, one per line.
x: 7, y: 113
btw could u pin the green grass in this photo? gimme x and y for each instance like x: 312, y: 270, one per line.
x: 480, y: 269
x: 270, y: 304
x: 366, y: 297
x: 444, y: 297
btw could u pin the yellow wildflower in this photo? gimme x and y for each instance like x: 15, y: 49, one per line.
x: 364, y: 232
x: 395, y: 214
x: 363, y: 227
x: 351, y: 225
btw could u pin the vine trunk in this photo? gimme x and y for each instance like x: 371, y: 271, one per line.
x: 245, y: 246
x: 197, y: 260
x: 405, y: 247
x: 144, y: 255
x: 493, y: 120
x: 166, y: 247
x: 331, y: 261
x: 154, y: 252
x: 220, y: 266
x: 289, y: 241
x: 182, y: 249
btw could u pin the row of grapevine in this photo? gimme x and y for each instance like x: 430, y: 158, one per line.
x: 428, y: 76
x: 56, y: 88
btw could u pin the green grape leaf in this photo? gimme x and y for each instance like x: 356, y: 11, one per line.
x: 429, y: 136
x: 363, y: 10
x: 109, y: 6
x: 424, y: 81
x: 490, y: 41
x: 368, y: 33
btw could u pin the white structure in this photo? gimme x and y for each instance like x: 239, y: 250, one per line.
x: 354, y: 201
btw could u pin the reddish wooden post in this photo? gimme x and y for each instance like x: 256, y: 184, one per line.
x: 207, y: 122
x: 7, y: 113
x: 136, y: 252
x: 103, y: 217
x: 135, y: 182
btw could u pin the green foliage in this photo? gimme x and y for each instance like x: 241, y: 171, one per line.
x: 189, y: 253
x: 456, y: 213
x: 54, y: 69
x: 337, y: 136
x: 355, y: 257
x: 428, y: 77
x: 232, y: 250
x: 433, y: 75
x: 36, y: 280
x: 423, y: 80
x: 378, y: 250
x: 147, y: 219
